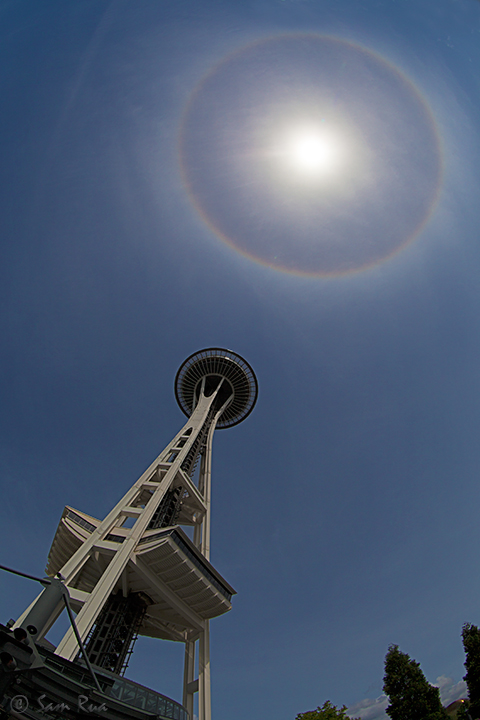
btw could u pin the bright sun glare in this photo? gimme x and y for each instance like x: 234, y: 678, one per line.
x: 312, y: 151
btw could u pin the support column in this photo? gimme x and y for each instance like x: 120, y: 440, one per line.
x: 207, y: 490
x: 204, y: 692
x: 189, y: 685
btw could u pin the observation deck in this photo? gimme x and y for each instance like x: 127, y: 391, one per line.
x: 166, y: 567
x: 215, y: 364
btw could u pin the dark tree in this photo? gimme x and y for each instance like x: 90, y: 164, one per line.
x: 411, y: 696
x: 326, y: 712
x: 463, y: 712
x: 471, y: 643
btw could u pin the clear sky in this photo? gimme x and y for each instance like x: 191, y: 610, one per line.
x: 297, y: 181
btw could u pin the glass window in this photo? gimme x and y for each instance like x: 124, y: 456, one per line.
x: 151, y: 704
x: 116, y: 690
x: 129, y: 692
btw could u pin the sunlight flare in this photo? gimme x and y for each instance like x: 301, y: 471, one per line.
x: 313, y: 151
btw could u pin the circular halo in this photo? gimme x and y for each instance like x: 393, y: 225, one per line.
x: 362, y: 207
x: 223, y: 363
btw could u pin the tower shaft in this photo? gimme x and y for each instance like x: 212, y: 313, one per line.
x: 136, y: 571
x: 170, y: 472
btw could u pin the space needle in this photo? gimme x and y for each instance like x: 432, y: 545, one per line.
x: 138, y: 571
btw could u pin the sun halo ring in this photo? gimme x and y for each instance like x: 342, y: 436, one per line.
x: 233, y: 235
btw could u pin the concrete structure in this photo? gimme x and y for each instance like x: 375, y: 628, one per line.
x: 137, y: 572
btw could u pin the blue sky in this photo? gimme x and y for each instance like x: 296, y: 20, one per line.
x: 345, y: 509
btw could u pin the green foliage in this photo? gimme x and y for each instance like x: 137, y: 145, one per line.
x: 411, y: 696
x: 326, y: 712
x: 463, y: 712
x: 471, y: 643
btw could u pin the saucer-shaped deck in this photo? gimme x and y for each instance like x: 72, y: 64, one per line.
x: 213, y: 364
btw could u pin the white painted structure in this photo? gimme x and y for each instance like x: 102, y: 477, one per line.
x: 135, y: 549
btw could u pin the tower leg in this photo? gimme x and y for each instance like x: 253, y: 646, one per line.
x: 204, y: 697
x: 188, y: 677
x: 68, y: 647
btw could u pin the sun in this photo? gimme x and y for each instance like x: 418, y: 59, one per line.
x: 312, y: 151
x: 311, y: 154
